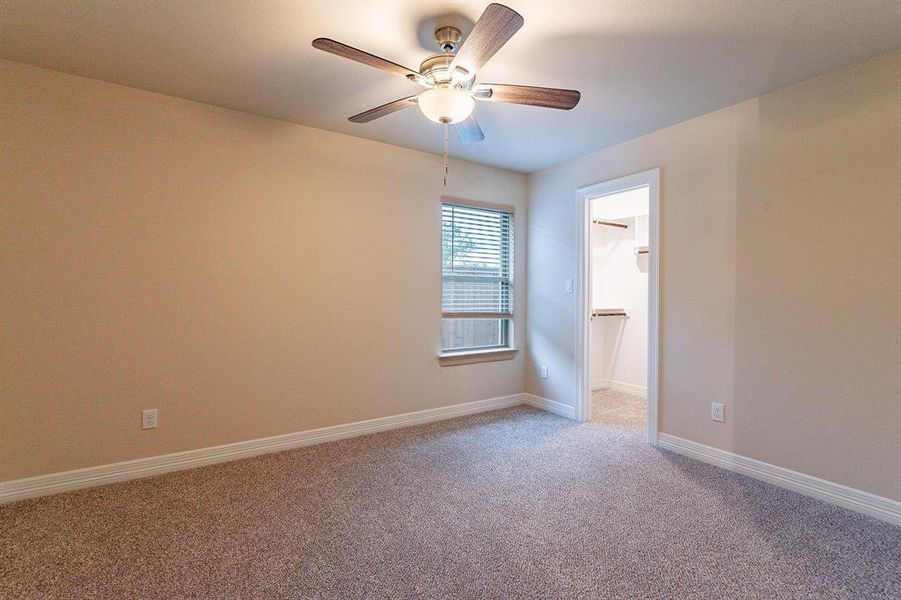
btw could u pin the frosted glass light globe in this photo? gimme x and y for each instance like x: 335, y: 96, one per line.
x: 446, y: 104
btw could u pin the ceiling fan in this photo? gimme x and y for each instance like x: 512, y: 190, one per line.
x: 450, y: 77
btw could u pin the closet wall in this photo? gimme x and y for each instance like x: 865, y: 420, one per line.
x: 619, y: 283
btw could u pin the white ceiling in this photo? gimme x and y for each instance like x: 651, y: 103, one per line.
x: 640, y: 66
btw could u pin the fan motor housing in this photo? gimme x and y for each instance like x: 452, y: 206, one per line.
x: 436, y: 68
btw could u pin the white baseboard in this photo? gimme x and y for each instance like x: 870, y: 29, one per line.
x: 869, y: 504
x: 54, y: 483
x: 619, y: 386
x: 558, y: 408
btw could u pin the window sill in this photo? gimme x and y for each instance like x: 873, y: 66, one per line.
x: 465, y: 357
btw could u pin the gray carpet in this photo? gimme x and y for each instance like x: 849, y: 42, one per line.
x: 609, y: 407
x: 514, y: 503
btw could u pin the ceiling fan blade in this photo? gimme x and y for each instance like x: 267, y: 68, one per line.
x: 496, y: 25
x: 469, y: 130
x: 529, y: 95
x: 384, y: 109
x: 339, y: 49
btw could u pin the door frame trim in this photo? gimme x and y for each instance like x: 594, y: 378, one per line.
x: 651, y: 180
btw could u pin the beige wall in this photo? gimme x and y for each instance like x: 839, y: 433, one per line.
x: 245, y: 276
x: 780, y: 274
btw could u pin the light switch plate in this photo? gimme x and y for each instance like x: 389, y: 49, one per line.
x: 568, y: 286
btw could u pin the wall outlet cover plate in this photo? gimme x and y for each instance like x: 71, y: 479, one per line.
x: 148, y: 418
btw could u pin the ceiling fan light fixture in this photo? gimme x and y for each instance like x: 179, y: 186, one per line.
x: 446, y: 104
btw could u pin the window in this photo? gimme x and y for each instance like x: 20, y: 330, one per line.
x: 477, y: 278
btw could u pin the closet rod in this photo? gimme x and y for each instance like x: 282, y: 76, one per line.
x: 609, y: 223
x: 603, y: 313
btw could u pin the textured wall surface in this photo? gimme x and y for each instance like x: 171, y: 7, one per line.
x: 245, y: 276
x: 780, y: 274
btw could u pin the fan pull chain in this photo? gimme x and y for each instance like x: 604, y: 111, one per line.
x: 445, y: 155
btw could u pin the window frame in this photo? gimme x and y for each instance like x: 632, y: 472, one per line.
x: 466, y: 355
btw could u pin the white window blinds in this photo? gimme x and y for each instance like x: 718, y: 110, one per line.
x: 477, y: 263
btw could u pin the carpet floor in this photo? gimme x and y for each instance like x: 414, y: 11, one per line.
x: 513, y: 503
x: 609, y: 407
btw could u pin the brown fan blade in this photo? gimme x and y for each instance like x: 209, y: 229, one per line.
x: 384, y: 109
x: 469, y: 130
x: 529, y: 95
x: 496, y: 25
x: 339, y: 49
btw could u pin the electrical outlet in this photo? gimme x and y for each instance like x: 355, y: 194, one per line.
x: 717, y: 412
x: 544, y: 371
x: 148, y: 418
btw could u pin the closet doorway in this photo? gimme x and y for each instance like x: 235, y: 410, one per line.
x: 619, y: 298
